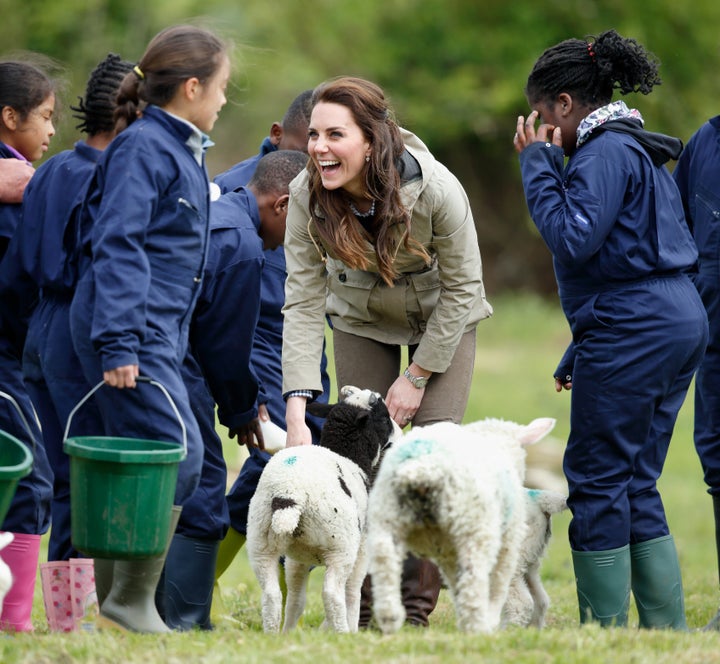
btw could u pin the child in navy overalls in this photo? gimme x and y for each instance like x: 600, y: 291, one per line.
x: 613, y: 219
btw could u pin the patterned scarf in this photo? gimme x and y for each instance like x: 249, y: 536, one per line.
x: 612, y: 111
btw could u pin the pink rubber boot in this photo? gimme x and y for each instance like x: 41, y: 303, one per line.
x: 21, y: 555
x: 55, y: 578
x: 82, y: 591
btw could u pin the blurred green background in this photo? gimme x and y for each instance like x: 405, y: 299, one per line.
x: 454, y: 71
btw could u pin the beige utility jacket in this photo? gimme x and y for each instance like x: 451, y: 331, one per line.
x: 430, y: 306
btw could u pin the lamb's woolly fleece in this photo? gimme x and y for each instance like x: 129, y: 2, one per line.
x: 310, y: 505
x: 6, y: 579
x: 454, y: 494
x: 527, y: 601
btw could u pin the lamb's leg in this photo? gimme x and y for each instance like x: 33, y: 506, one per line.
x: 353, y: 588
x: 471, y: 590
x: 296, y: 576
x: 385, y: 565
x: 268, y: 576
x: 337, y: 571
x: 500, y: 579
x: 518, y: 607
x: 541, y: 600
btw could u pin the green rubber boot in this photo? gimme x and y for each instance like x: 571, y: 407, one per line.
x: 230, y: 545
x: 603, y: 585
x: 130, y: 605
x: 103, y: 578
x: 657, y: 584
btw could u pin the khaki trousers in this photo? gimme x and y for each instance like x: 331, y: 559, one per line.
x: 369, y: 364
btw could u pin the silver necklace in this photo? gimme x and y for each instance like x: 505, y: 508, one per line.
x: 363, y: 215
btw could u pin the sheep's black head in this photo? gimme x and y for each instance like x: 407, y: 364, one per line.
x: 358, y: 427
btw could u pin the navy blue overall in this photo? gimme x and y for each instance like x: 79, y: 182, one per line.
x: 697, y: 175
x: 266, y: 353
x: 614, y: 223
x: 144, y: 234
x: 44, y: 251
x: 29, y: 511
x: 218, y: 369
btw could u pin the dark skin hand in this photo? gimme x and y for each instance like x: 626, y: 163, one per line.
x: 247, y: 433
x: 525, y: 133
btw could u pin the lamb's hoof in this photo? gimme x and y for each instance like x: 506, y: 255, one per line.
x: 713, y: 625
x: 389, y: 624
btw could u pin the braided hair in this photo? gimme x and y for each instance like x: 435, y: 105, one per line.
x: 591, y: 70
x: 96, y: 111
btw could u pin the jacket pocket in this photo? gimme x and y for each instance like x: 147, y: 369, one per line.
x: 426, y: 286
x: 349, y: 295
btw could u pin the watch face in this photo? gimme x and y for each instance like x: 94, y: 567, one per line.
x: 417, y: 381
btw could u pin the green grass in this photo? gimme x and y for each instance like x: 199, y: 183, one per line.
x: 517, y: 352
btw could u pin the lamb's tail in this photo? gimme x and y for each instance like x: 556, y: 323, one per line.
x: 286, y: 514
x: 550, y: 502
x: 418, y: 476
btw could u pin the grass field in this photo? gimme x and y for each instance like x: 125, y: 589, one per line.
x: 517, y: 352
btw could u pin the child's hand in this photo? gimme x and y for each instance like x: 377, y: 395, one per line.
x: 525, y: 133
x: 122, y: 377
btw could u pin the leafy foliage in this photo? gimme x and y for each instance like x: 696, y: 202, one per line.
x: 453, y: 69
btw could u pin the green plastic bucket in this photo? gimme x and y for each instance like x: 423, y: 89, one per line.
x: 16, y: 461
x: 122, y: 491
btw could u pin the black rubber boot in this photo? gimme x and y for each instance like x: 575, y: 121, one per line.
x: 189, y: 579
x: 714, y: 624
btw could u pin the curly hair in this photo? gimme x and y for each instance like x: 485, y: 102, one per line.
x: 590, y: 70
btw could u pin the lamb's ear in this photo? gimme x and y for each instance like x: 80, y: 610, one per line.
x: 536, y: 430
x: 319, y: 409
x: 362, y: 415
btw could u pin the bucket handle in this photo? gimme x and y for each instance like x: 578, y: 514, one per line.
x: 138, y: 379
x: 11, y: 399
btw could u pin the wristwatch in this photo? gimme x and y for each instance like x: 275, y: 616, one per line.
x: 417, y: 381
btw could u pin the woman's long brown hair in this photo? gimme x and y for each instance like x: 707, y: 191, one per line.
x: 330, y: 210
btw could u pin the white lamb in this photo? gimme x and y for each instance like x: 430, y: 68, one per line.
x: 310, y: 505
x: 454, y: 494
x: 6, y: 579
x: 527, y: 601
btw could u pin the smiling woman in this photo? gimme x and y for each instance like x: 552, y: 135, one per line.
x: 380, y: 236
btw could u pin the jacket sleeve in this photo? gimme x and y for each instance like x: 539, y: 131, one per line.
x: 682, y: 177
x: 574, y: 217
x: 304, y: 309
x: 120, y: 265
x: 455, y: 241
x: 221, y: 337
